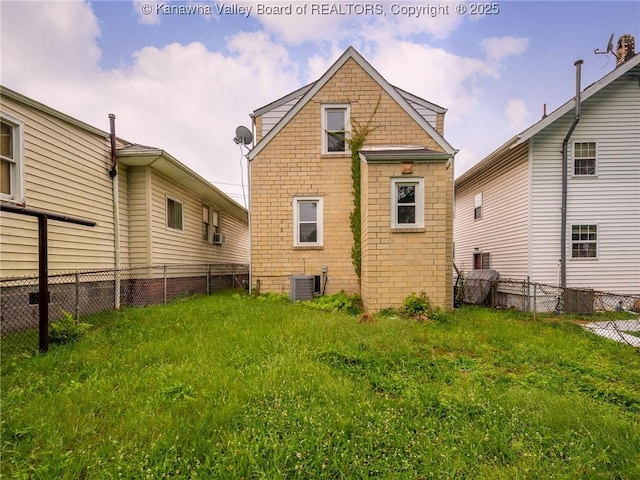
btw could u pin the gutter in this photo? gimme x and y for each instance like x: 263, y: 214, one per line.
x: 565, y: 175
x: 113, y: 173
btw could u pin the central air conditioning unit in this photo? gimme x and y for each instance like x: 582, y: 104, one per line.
x: 218, y: 238
x: 302, y: 287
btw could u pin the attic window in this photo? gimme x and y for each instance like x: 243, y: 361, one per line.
x: 335, y: 128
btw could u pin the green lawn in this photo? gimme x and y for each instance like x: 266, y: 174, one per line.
x: 234, y: 387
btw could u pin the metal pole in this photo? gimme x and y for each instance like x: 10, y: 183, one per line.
x: 164, y: 269
x: 43, y: 285
x: 535, y: 303
x: 77, y: 304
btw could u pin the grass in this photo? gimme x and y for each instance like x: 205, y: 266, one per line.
x: 235, y: 387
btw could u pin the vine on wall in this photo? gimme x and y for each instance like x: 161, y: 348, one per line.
x: 359, y: 134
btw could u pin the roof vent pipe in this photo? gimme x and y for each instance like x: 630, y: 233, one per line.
x: 565, y: 158
x: 112, y: 134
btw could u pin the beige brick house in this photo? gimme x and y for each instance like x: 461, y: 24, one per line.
x: 302, y: 194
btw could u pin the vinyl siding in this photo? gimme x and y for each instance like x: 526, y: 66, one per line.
x: 502, y: 230
x: 272, y: 117
x: 610, y: 200
x: 139, y: 206
x: 169, y: 246
x: 65, y: 172
x: 429, y: 115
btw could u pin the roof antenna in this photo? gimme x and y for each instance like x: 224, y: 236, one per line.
x: 244, y: 135
x: 243, y: 138
x: 609, y: 48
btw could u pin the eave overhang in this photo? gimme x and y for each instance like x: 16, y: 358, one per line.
x: 164, y: 163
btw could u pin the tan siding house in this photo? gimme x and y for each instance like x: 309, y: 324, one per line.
x: 301, y: 190
x: 53, y: 162
x: 522, y: 194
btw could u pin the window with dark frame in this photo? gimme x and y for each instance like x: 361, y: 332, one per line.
x: 206, y: 223
x: 584, y: 158
x: 174, y: 214
x: 584, y: 241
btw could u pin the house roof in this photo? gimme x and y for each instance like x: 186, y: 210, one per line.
x: 7, y: 92
x: 310, y: 90
x: 537, y: 127
x: 136, y: 155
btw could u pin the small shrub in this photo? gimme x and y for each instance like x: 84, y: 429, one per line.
x: 66, y: 330
x: 416, y: 305
x: 338, y: 302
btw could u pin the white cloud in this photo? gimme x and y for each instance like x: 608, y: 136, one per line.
x: 434, y: 74
x: 184, y: 99
x: 499, y: 48
x: 50, y: 39
x: 188, y: 100
x: 517, y: 115
x: 147, y: 11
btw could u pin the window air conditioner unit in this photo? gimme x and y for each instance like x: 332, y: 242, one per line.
x: 218, y: 239
x: 302, y: 287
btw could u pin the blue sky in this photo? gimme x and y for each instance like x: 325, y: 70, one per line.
x: 185, y: 82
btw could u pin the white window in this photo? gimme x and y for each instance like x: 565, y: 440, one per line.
x: 174, y: 214
x: 477, y: 206
x: 584, y: 241
x: 11, y: 159
x: 584, y: 158
x: 335, y: 128
x: 307, y: 221
x: 407, y: 205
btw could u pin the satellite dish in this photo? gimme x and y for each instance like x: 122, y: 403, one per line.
x: 609, y: 47
x: 243, y: 136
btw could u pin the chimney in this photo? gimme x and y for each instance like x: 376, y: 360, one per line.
x: 626, y: 49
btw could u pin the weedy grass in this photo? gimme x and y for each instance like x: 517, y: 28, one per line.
x: 228, y: 386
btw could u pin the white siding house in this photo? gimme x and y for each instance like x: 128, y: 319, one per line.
x: 518, y: 189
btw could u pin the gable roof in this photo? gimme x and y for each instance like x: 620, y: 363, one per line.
x: 311, y: 89
x: 558, y: 113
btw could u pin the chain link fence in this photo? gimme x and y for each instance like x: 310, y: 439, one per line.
x: 543, y: 298
x: 93, y: 295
